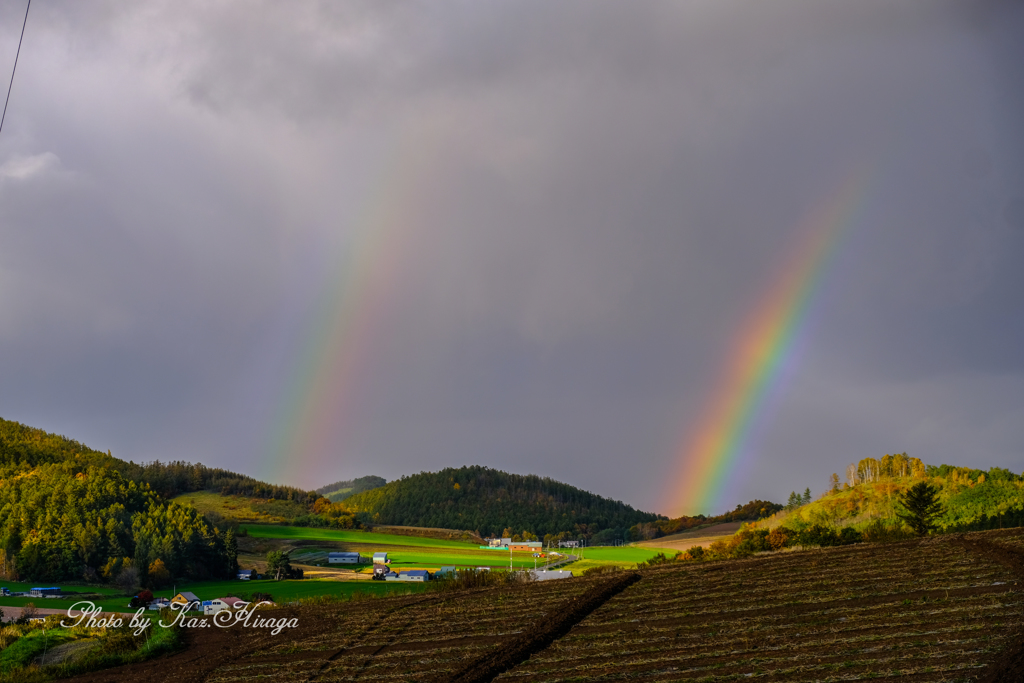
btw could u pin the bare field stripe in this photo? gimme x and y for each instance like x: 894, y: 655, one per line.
x: 798, y: 608
x: 519, y: 649
x: 1010, y: 665
x: 801, y: 663
x: 662, y: 652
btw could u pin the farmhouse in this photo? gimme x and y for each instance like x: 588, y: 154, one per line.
x: 185, y: 599
x: 221, y: 604
x: 381, y: 558
x: 529, y: 546
x: 345, y: 558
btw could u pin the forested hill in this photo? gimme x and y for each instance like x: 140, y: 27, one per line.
x: 68, y: 512
x: 20, y: 444
x: 493, y: 503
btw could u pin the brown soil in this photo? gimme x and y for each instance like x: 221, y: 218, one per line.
x: 207, y: 649
x: 1010, y: 665
x: 519, y: 649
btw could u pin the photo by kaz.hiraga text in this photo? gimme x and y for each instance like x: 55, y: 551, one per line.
x: 91, y: 616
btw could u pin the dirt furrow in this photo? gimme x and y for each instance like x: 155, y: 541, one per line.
x: 519, y: 649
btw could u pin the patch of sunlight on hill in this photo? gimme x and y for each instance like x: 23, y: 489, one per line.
x: 964, y: 501
x: 242, y: 508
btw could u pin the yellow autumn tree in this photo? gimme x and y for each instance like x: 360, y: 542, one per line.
x: 159, y: 574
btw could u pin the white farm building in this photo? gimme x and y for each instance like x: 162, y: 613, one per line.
x: 344, y: 558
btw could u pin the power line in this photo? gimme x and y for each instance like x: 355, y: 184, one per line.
x: 16, y: 55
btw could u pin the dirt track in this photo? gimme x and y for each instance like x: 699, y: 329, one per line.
x: 688, y: 539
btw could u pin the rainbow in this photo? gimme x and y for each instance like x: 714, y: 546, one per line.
x: 766, y: 345
x: 312, y: 417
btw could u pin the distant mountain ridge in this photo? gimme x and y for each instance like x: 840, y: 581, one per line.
x: 340, y: 490
x: 491, y: 502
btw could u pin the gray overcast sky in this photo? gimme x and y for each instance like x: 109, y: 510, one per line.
x: 312, y: 241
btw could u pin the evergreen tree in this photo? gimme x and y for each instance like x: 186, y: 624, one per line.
x: 794, y: 501
x: 921, y: 506
x: 807, y: 495
x: 231, y: 551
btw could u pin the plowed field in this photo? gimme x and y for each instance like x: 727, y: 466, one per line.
x: 943, y: 609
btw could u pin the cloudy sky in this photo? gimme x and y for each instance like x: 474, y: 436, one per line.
x: 312, y: 241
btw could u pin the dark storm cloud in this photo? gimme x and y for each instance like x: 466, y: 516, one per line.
x: 612, y: 186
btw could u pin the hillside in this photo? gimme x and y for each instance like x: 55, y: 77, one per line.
x: 67, y: 512
x: 340, y: 490
x: 972, y: 499
x: 492, y: 503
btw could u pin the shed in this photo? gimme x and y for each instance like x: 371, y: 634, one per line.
x: 44, y: 592
x: 246, y: 574
x: 414, y: 575
x: 450, y: 570
x: 344, y: 558
x: 221, y: 604
x: 185, y: 598
x: 380, y: 558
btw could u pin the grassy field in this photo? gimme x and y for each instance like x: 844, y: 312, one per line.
x: 625, y: 556
x: 242, y: 508
x: 405, y: 552
x: 282, y: 591
x: 351, y: 536
x: 18, y: 586
x: 411, y: 552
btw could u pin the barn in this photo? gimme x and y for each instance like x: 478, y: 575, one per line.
x: 345, y: 558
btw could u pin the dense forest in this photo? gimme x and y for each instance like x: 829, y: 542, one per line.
x: 340, y: 490
x: 174, y: 478
x: 491, y: 503
x: 68, y: 512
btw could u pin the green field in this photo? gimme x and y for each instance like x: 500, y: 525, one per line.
x: 299, y: 533
x: 282, y: 591
x: 625, y: 554
x: 20, y: 586
x: 412, y: 552
x: 405, y: 552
